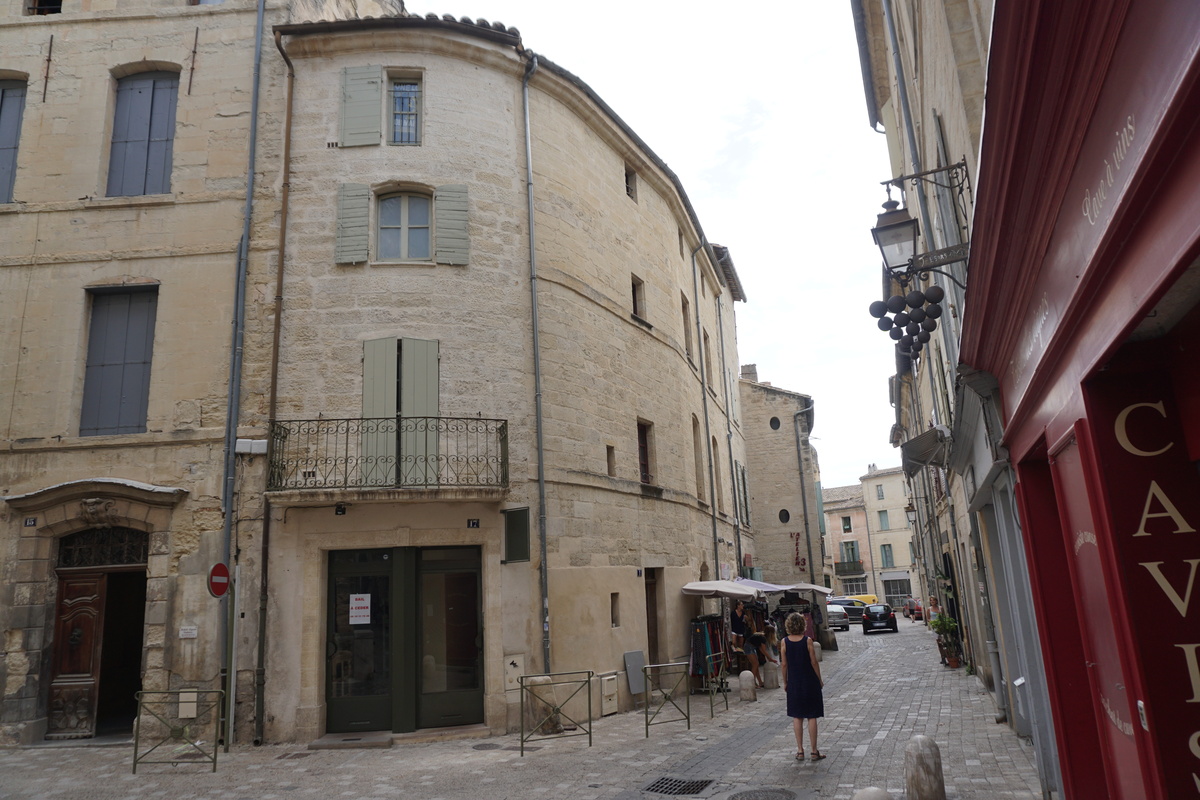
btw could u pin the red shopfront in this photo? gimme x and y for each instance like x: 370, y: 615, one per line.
x: 1084, y: 301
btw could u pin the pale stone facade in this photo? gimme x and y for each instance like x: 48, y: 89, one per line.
x: 66, y: 243
x: 639, y: 406
x: 783, y: 494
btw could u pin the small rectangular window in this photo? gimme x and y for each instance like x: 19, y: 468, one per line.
x: 846, y: 525
x: 406, y: 111
x: 516, y: 535
x: 638, y: 296
x: 39, y: 7
x: 12, y: 105
x: 708, y: 360
x: 687, y: 326
x: 614, y: 605
x: 630, y: 184
x: 645, y: 452
x: 879, y: 491
x: 883, y: 521
x: 611, y: 453
x: 116, y: 386
x: 682, y: 250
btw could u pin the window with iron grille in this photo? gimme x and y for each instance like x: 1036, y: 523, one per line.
x: 846, y: 525
x: 39, y: 7
x: 406, y: 111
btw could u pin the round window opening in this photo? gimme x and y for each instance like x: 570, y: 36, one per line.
x: 774, y: 423
x: 784, y: 516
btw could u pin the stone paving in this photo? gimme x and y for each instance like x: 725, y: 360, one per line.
x: 880, y: 690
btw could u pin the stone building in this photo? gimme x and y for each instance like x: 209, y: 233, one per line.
x: 868, y: 533
x: 125, y: 135
x: 1050, y: 426
x: 461, y: 273
x: 784, y: 481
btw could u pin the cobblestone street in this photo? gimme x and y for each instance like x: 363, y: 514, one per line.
x: 880, y: 690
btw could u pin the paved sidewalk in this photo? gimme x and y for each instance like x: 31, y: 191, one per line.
x: 880, y: 690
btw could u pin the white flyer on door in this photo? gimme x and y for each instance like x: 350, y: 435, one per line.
x: 360, y: 609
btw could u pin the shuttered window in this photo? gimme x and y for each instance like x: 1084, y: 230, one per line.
x: 400, y: 379
x: 12, y: 105
x: 116, y: 388
x: 362, y: 99
x: 143, y: 135
x: 403, y: 228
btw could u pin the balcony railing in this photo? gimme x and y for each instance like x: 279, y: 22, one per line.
x: 389, y: 452
x: 848, y: 568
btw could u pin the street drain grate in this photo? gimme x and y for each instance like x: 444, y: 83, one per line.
x: 488, y: 746
x: 677, y: 786
x: 764, y: 794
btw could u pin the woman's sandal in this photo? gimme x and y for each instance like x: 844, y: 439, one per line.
x: 817, y: 756
x: 800, y: 755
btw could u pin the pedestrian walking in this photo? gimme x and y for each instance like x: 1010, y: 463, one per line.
x: 802, y: 682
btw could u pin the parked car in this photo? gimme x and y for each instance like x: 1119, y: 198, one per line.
x: 854, y: 608
x: 837, y: 617
x: 879, y: 617
x: 913, y: 610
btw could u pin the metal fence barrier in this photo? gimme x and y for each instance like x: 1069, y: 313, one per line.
x: 546, y: 714
x: 716, y: 680
x: 671, y: 681
x: 178, y: 727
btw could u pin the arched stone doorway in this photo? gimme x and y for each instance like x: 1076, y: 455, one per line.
x: 99, y: 625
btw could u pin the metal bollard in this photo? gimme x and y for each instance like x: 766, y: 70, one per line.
x: 746, y: 684
x: 923, y: 779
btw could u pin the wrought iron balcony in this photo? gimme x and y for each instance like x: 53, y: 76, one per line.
x: 389, y: 452
x: 848, y: 568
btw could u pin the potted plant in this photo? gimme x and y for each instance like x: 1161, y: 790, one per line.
x: 946, y: 629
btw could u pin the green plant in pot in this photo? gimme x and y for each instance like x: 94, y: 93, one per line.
x: 946, y: 629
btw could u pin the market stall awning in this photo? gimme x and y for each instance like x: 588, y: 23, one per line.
x: 774, y: 588
x: 732, y: 589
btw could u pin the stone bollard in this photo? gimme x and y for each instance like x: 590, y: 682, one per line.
x: 770, y: 675
x: 746, y: 684
x: 818, y: 650
x: 871, y: 793
x: 539, y: 708
x: 923, y: 779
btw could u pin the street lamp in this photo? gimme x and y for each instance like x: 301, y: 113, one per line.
x: 895, y: 234
x: 911, y: 513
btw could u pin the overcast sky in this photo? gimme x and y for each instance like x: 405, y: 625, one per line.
x: 759, y: 109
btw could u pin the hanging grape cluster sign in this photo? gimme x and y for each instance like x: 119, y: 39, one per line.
x: 913, y: 317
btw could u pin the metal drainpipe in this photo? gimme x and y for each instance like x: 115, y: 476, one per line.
x: 712, y: 509
x: 804, y: 491
x: 272, y: 404
x: 737, y: 517
x: 233, y: 406
x: 901, y: 82
x: 531, y: 68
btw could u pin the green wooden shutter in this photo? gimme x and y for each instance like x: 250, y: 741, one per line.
x: 419, y: 450
x: 380, y: 382
x: 362, y: 105
x: 353, y: 224
x: 450, y: 220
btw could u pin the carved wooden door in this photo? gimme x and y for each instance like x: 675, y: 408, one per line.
x: 75, y: 669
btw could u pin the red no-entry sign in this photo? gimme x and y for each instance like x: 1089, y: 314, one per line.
x: 218, y: 580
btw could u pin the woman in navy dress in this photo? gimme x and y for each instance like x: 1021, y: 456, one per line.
x: 802, y: 682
